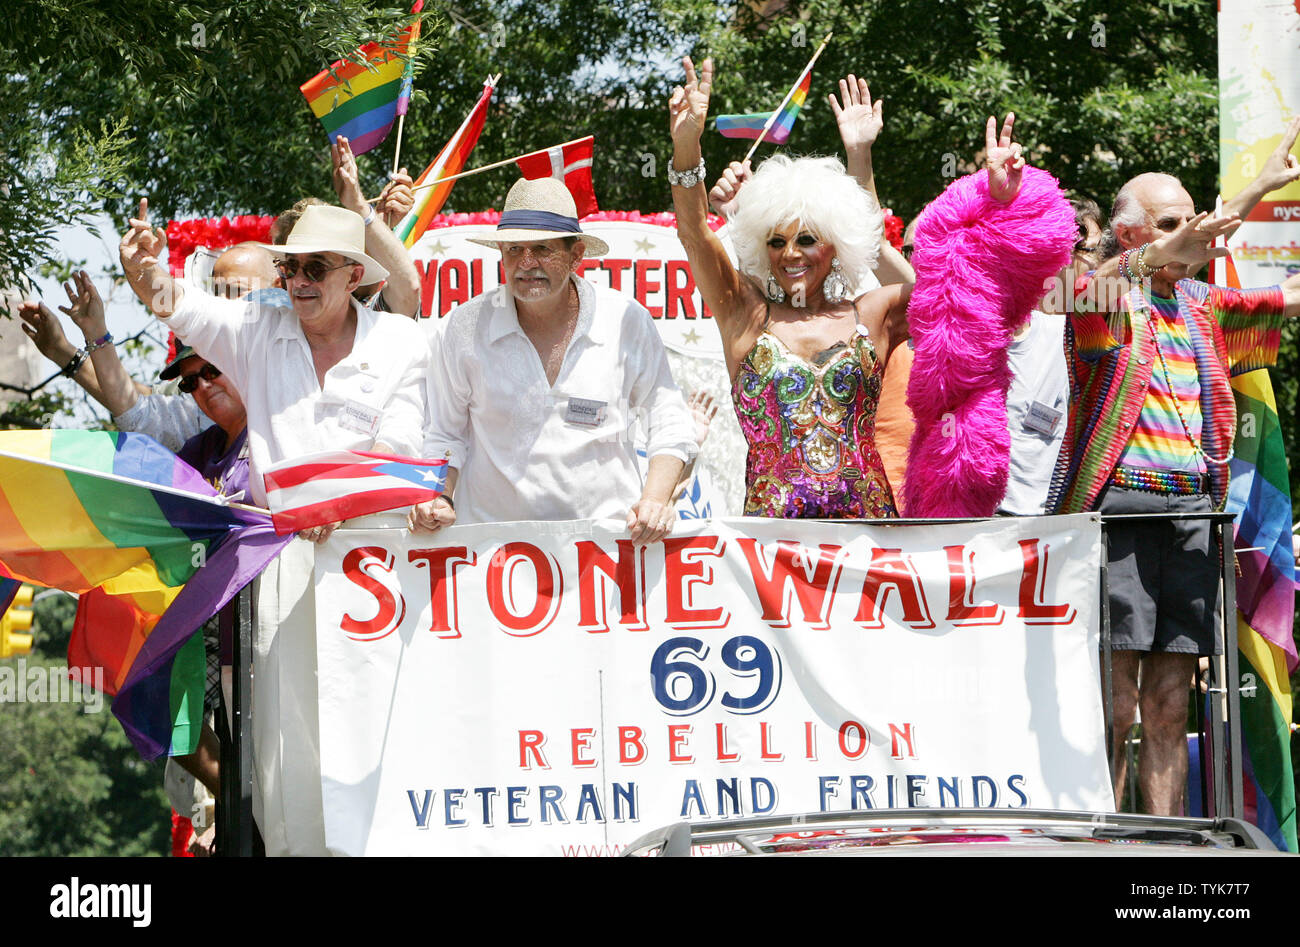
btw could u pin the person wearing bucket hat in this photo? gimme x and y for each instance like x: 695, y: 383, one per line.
x: 317, y: 370
x: 537, y: 387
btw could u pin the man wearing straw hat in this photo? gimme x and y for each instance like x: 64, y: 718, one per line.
x: 317, y: 370
x: 536, y: 388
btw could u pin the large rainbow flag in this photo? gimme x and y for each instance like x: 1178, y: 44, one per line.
x: 361, y: 100
x: 1260, y: 493
x: 752, y: 124
x: 120, y: 517
x: 450, y: 161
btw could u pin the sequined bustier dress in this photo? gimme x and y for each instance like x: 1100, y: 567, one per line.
x: 811, y: 432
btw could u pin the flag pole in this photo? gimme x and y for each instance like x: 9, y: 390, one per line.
x: 771, y: 119
x: 490, y: 167
x: 216, y: 500
x: 401, y: 120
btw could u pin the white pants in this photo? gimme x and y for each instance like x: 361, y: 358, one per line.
x: 286, y: 717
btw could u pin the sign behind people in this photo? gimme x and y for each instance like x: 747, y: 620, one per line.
x: 548, y: 688
x: 645, y: 261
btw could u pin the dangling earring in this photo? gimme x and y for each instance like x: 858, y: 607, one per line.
x: 835, y: 288
x: 774, y: 290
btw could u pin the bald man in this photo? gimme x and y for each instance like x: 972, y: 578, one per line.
x: 241, y: 269
x: 1151, y: 430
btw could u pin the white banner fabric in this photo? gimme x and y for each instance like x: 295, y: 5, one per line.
x: 547, y: 688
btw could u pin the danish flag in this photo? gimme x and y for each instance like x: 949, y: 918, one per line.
x: 570, y: 164
x: 340, y: 484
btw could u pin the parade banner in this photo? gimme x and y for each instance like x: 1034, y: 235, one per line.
x: 1259, y: 92
x: 549, y: 688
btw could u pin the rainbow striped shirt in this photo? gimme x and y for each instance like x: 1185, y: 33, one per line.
x: 1158, y: 441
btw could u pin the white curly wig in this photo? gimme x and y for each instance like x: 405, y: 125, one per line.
x: 817, y: 193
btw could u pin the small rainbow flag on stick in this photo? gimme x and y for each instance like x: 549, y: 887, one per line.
x: 120, y: 520
x: 775, y: 126
x: 450, y: 161
x: 756, y: 124
x: 362, y: 100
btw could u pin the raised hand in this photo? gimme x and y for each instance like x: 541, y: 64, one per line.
x: 347, y: 184
x: 703, y: 408
x: 689, y: 106
x: 1281, y: 167
x: 723, y: 196
x: 141, y: 248
x: 859, y: 119
x: 1193, y: 242
x: 396, y: 199
x: 87, y: 308
x: 46, y: 332
x: 1003, y: 159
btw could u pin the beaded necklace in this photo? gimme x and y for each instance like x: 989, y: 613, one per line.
x: 1164, y: 367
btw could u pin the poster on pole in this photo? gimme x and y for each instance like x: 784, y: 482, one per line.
x: 1259, y: 93
x: 552, y: 689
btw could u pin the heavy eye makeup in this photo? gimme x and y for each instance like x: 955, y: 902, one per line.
x: 776, y: 242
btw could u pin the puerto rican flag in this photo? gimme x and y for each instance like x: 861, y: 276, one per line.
x: 570, y: 164
x: 339, y: 484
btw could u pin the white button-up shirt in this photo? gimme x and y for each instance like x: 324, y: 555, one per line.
x: 374, y: 395
x: 528, y: 450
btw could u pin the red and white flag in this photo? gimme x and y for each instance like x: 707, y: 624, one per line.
x: 570, y: 164
x: 340, y: 484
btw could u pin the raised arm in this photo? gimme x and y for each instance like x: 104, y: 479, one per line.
x: 402, y: 291
x: 1279, y: 170
x: 719, y: 281
x: 86, y: 309
x: 1191, y: 244
x: 141, y: 253
x: 43, y: 328
x: 860, y: 121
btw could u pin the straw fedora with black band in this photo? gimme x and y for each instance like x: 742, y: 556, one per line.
x: 324, y: 228
x: 541, y: 209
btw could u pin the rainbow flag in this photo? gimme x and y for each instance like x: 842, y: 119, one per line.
x: 751, y: 125
x: 1260, y: 493
x: 361, y: 100
x: 450, y: 161
x: 121, y: 517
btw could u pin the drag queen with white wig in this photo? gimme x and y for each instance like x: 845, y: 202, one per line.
x: 806, y: 351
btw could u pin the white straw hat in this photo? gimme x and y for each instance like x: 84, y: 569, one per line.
x: 541, y: 209
x: 324, y: 228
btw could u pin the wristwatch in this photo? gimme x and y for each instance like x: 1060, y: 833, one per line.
x: 686, y: 178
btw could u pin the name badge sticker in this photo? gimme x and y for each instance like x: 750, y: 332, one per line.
x: 1042, y: 418
x: 360, y: 418
x: 585, y: 411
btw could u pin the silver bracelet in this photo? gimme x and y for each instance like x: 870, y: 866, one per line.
x: 686, y: 179
x: 74, y: 363
x: 370, y: 216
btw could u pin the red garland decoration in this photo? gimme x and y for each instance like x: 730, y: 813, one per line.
x: 185, y: 236
x: 893, y: 229
x: 489, y: 217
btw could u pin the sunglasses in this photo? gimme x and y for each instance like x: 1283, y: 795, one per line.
x: 314, y: 270
x: 190, y: 383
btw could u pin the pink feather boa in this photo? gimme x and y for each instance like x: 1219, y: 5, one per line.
x: 981, y: 267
